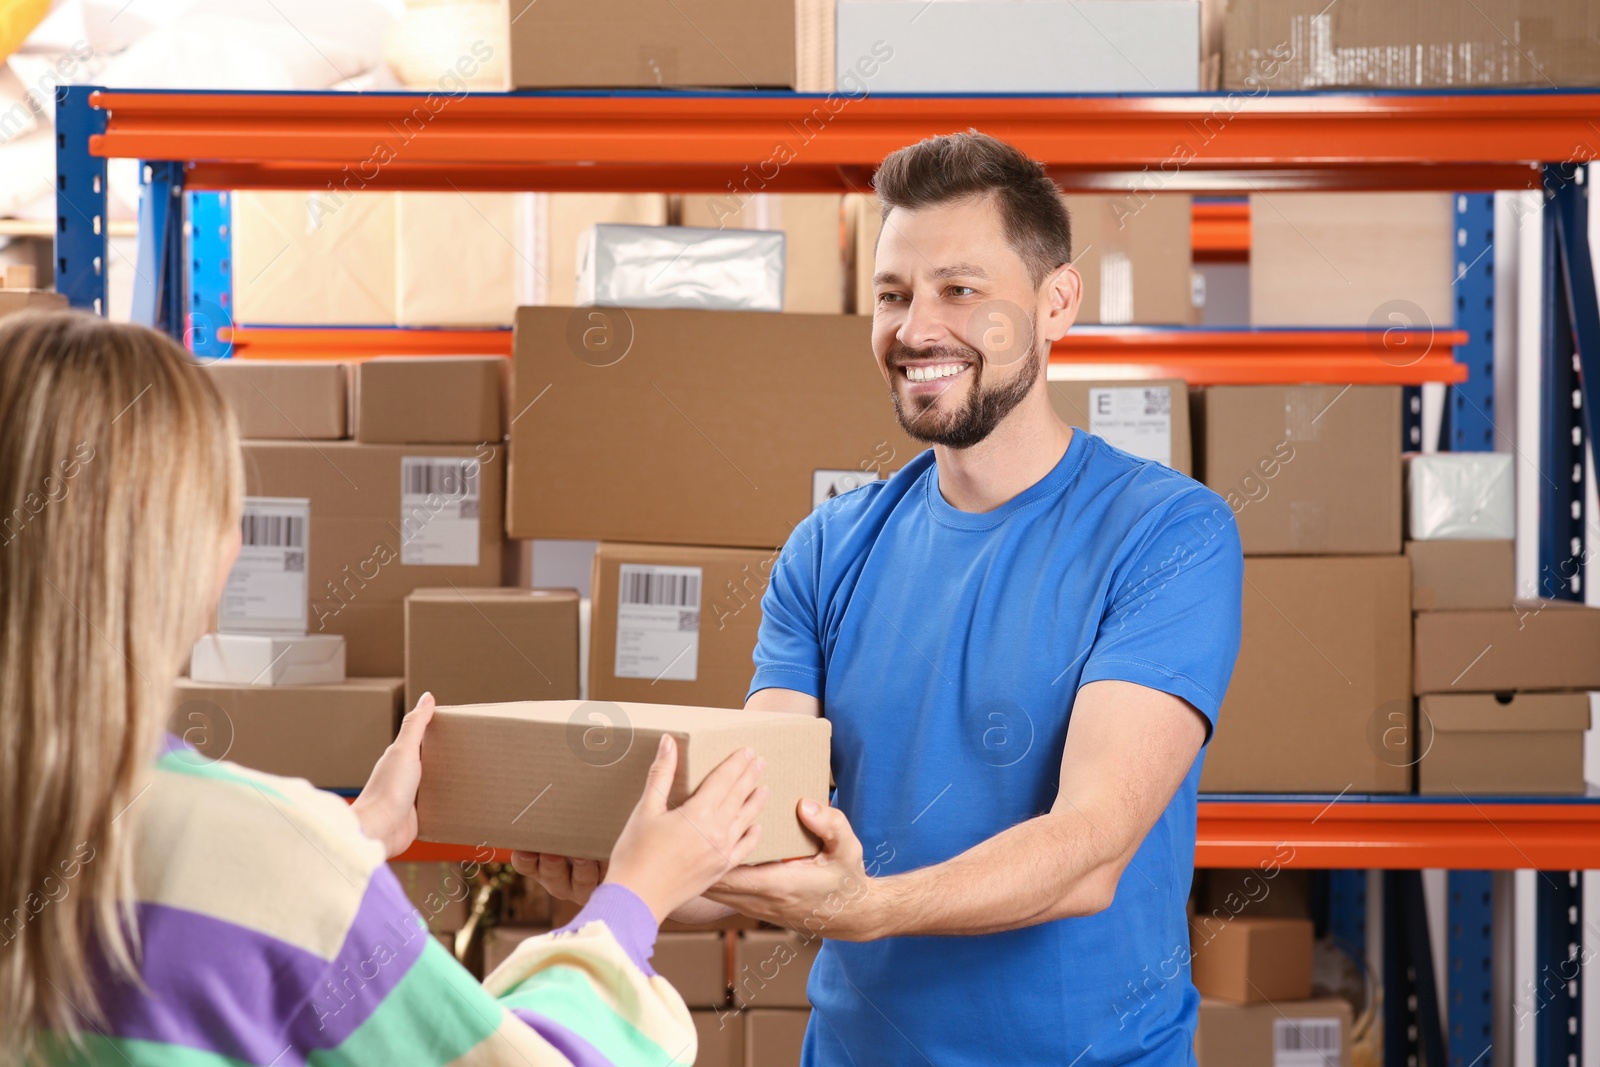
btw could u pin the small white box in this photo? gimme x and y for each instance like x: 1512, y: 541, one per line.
x: 268, y: 659
x: 1460, y: 496
x: 680, y: 267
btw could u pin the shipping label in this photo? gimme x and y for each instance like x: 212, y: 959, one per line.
x: 658, y: 623
x: 266, y: 589
x: 1136, y: 419
x: 440, y: 498
x: 1305, y: 1042
x: 827, y: 484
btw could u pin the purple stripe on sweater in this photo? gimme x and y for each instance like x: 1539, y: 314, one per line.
x: 629, y: 919
x: 232, y: 990
x: 578, y: 1051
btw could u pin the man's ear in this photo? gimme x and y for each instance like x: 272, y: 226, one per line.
x: 1063, y: 290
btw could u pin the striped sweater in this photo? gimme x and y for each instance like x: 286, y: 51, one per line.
x: 273, y: 932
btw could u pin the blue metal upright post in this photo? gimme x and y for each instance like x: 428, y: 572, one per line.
x: 158, y: 300
x: 1558, y: 965
x: 80, y: 237
x: 1469, y: 409
x: 1470, y: 982
x: 210, y: 273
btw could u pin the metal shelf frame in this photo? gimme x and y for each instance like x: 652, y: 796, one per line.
x: 198, y: 147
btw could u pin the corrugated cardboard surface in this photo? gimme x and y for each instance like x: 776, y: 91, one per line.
x: 733, y: 581
x: 289, y: 400
x: 1251, y: 960
x: 675, y: 417
x: 357, y: 583
x: 483, y: 646
x: 1353, y: 259
x: 648, y: 44
x: 330, y: 735
x: 696, y: 965
x: 1307, y: 469
x: 1135, y: 257
x: 15, y: 300
x: 1241, y: 1035
x: 439, y: 893
x: 1071, y: 402
x: 1322, y: 674
x: 773, y: 1038
x: 584, y: 762
x: 1531, y: 743
x: 424, y: 400
x: 1424, y: 44
x: 463, y: 259
x: 1532, y: 645
x: 1451, y: 575
x: 318, y: 258
x: 721, y: 1036
x: 770, y: 968
x: 813, y: 280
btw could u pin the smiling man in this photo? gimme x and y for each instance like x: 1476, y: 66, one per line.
x: 1021, y: 639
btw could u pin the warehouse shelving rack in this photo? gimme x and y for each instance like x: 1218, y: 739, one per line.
x: 198, y: 146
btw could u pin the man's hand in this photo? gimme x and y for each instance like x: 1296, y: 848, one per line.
x: 829, y: 893
x: 563, y: 877
x: 387, y: 806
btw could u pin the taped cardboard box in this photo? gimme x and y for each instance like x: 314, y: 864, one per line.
x: 1147, y: 417
x: 774, y: 1037
x: 426, y: 400
x: 320, y: 258
x: 585, y: 763
x: 384, y: 520
x: 653, y: 44
x: 438, y: 891
x: 813, y: 231
x: 1251, y: 960
x: 673, y: 623
x: 1486, y: 743
x: 463, y: 259
x: 1533, y: 645
x: 1307, y: 469
x: 1425, y: 44
x: 1452, y: 575
x: 1378, y: 260
x: 771, y: 968
x: 1272, y: 1035
x: 485, y: 646
x: 696, y: 965
x: 661, y: 407
x: 721, y: 1035
x: 1319, y: 701
x: 331, y: 735
x: 289, y: 400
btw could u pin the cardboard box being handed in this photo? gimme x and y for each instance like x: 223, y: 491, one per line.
x: 562, y: 776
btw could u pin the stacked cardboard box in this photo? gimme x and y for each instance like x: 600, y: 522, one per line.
x: 1269, y: 1035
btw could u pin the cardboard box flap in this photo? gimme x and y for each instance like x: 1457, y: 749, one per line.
x: 501, y: 592
x: 1524, y: 712
x: 677, y: 719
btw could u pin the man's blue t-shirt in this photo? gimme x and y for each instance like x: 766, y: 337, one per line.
x: 946, y: 648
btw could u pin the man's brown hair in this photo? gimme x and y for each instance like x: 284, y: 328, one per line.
x: 972, y: 165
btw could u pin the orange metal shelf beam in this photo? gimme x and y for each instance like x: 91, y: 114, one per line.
x: 356, y: 343
x: 737, y: 142
x: 1220, y: 233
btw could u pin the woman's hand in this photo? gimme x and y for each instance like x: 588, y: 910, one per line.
x: 670, y: 857
x: 387, y: 806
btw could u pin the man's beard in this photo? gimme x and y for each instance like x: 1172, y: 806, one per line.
x: 978, y: 417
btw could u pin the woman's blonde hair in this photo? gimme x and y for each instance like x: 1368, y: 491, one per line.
x: 120, y: 482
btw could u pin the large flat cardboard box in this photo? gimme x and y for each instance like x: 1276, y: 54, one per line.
x: 406, y: 400
x: 1319, y: 701
x: 1379, y: 260
x: 290, y: 400
x: 1426, y: 44
x: 1486, y: 743
x: 1270, y: 1035
x: 813, y: 229
x: 1307, y: 469
x: 438, y: 892
x: 774, y: 1037
x: 1148, y: 417
x: 330, y: 735
x: 696, y: 965
x: 486, y: 646
x: 660, y: 407
x: 15, y: 300
x: 653, y: 44
x: 1451, y: 575
x: 721, y: 1035
x: 1533, y: 645
x: 771, y: 967
x: 1251, y: 960
x: 322, y: 258
x: 675, y: 624
x: 562, y: 776
x: 464, y: 259
x: 385, y: 519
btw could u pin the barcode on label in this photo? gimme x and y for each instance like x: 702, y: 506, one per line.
x: 1158, y: 401
x: 1305, y: 1042
x: 667, y: 590
x: 276, y: 531
x: 445, y: 477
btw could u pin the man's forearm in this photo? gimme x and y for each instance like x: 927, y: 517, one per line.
x: 1051, y: 867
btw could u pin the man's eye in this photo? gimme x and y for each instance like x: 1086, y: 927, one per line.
x: 884, y: 298
x: 960, y: 290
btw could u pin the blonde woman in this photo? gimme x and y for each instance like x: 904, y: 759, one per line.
x: 157, y: 908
